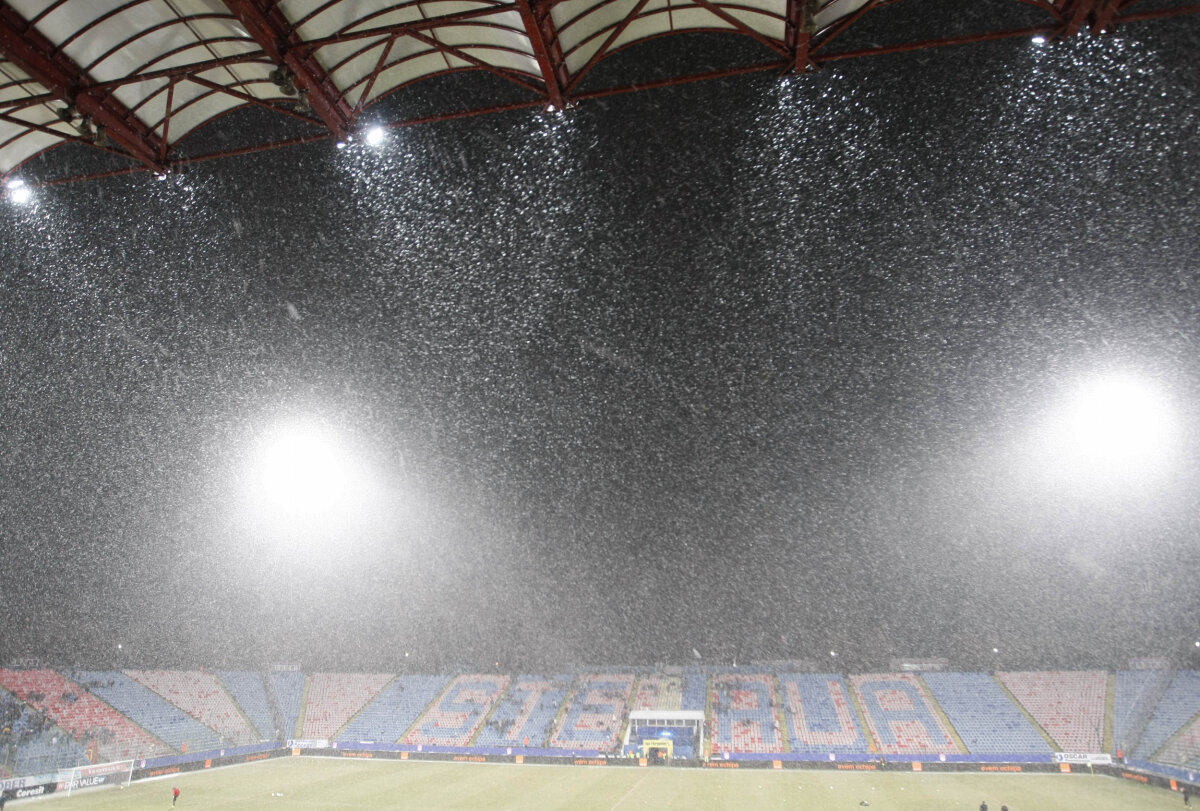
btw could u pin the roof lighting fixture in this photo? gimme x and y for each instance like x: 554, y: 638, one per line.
x: 375, y: 136
x: 282, y: 78
x: 1039, y: 40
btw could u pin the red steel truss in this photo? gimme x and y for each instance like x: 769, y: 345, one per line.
x: 66, y: 82
x: 803, y: 48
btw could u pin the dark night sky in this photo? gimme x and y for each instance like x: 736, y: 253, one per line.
x: 752, y: 366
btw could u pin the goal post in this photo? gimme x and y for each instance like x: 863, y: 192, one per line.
x: 117, y: 773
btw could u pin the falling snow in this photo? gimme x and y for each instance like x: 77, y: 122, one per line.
x: 746, y: 369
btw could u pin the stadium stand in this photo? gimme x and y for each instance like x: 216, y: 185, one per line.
x: 899, y: 715
x: 394, y: 710
x: 48, y: 721
x: 695, y: 689
x: 657, y: 691
x: 287, y: 693
x: 203, y: 697
x: 1135, y: 696
x: 1184, y: 749
x: 819, y: 714
x: 595, y: 712
x: 150, y: 711
x: 460, y: 712
x: 743, y: 713
x: 335, y: 698
x: 30, y: 743
x: 250, y: 693
x: 1178, y: 706
x: 983, y: 715
x: 1069, y: 705
x: 525, y: 715
x: 99, y: 729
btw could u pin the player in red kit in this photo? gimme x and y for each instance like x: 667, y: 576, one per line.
x: 174, y: 796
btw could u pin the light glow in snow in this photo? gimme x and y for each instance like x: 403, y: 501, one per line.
x: 303, y: 471
x: 1114, y: 427
x: 18, y: 192
x: 1119, y: 420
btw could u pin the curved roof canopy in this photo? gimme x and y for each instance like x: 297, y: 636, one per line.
x: 136, y: 77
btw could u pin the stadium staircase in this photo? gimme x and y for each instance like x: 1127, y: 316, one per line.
x: 202, y: 696
x: 860, y: 715
x: 358, y: 713
x: 941, y: 715
x: 1179, y: 706
x: 500, y: 699
x: 1110, y: 697
x: 563, y: 709
x: 1028, y: 715
x: 333, y: 699
x: 633, y: 697
x: 276, y: 711
x: 249, y: 694
x: 779, y: 700
x: 415, y: 726
x: 1144, y: 708
x: 297, y: 730
x: 1183, y: 748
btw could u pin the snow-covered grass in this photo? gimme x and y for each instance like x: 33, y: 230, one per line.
x: 314, y: 783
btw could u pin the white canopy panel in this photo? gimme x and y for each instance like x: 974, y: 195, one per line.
x: 137, y: 77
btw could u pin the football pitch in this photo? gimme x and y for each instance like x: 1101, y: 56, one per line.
x: 320, y: 783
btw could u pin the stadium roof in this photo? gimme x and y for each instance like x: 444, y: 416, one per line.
x: 134, y: 79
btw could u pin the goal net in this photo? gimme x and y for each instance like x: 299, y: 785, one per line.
x: 117, y: 773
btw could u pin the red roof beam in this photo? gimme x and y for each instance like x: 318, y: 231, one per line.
x: 267, y: 24
x: 602, y: 51
x: 458, y: 53
x: 798, y: 30
x: 23, y: 45
x: 539, y: 25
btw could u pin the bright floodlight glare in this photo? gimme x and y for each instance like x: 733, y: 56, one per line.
x: 1119, y: 419
x: 18, y: 192
x: 375, y: 136
x: 302, y: 471
x: 1039, y: 40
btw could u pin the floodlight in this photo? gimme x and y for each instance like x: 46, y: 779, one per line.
x: 375, y: 136
x: 1117, y: 426
x: 1039, y: 40
x: 18, y: 192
